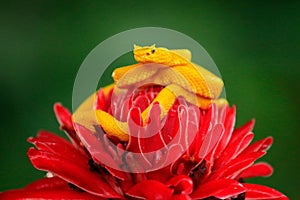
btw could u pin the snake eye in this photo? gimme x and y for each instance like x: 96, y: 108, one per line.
x: 153, y: 51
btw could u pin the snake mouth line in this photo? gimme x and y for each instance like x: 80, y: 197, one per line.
x: 144, y: 57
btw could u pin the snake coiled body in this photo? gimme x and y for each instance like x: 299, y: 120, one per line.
x: 180, y: 77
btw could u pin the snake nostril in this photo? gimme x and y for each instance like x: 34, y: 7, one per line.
x: 147, y: 54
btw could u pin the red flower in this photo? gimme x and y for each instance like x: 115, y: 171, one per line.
x: 213, y: 163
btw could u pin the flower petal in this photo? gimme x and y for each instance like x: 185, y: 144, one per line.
x: 259, y: 146
x: 259, y: 169
x: 135, y: 123
x: 246, y: 128
x: 221, y: 188
x: 202, y: 140
x: 236, y: 166
x: 237, y: 144
x: 152, y: 139
x: 47, y: 141
x: 117, y: 173
x: 255, y: 192
x: 100, y: 101
x: 71, y: 172
x: 96, y: 147
x: 150, y: 189
x: 171, y: 124
x: 64, y: 116
x: 182, y: 184
x: 228, y: 129
x: 54, y: 183
x: 211, y: 141
x: 189, y: 122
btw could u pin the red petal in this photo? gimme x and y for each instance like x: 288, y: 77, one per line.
x: 189, y: 121
x: 51, y: 137
x: 54, y: 183
x: 100, y: 102
x: 234, y: 167
x: 211, y: 140
x: 47, y: 141
x: 150, y: 189
x: 71, y: 172
x: 182, y: 184
x: 47, y: 195
x: 228, y: 129
x: 222, y: 189
x: 221, y: 113
x: 173, y: 153
x: 205, y: 122
x: 141, y: 102
x: 152, y: 140
x: 237, y: 144
x: 135, y: 128
x: 255, y: 192
x: 97, y: 148
x: 121, y: 111
x: 171, y: 124
x: 259, y: 146
x: 259, y: 169
x: 116, y: 173
x: 64, y: 116
x: 246, y: 128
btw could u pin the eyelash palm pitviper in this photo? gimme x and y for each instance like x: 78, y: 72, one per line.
x: 196, y: 84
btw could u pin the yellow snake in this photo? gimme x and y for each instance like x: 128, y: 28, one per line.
x: 196, y: 84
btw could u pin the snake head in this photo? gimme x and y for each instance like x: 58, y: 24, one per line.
x: 151, y: 54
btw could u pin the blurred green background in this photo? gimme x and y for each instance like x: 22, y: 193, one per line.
x: 255, y: 44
